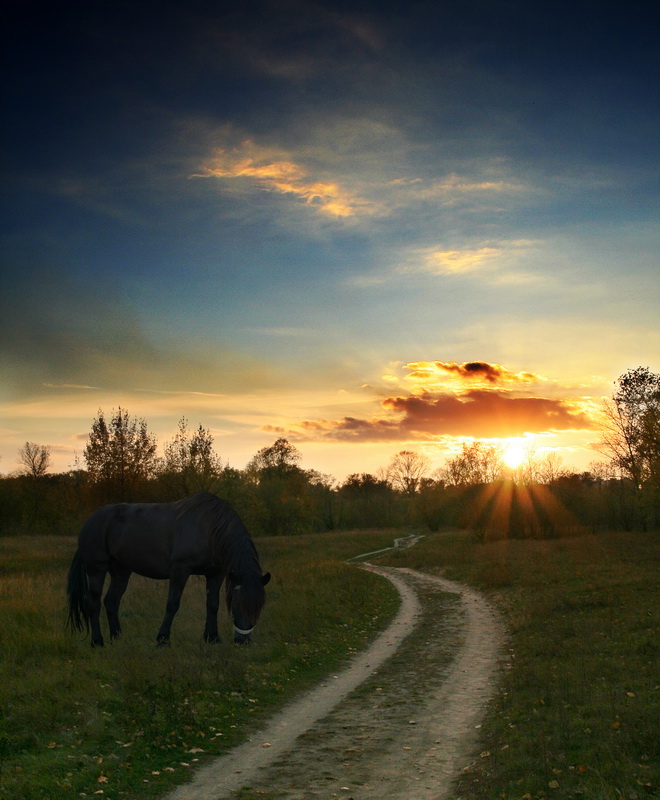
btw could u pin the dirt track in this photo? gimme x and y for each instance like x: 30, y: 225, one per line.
x: 398, y: 723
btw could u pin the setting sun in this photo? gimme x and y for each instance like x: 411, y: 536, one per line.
x: 514, y: 453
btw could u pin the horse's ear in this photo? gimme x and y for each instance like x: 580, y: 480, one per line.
x: 265, y: 578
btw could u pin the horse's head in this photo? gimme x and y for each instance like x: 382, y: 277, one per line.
x: 245, y: 599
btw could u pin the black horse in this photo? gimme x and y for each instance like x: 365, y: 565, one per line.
x: 201, y: 535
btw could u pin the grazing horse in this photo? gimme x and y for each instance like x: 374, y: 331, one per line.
x: 201, y: 535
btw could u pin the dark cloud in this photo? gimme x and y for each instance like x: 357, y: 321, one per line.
x: 469, y: 371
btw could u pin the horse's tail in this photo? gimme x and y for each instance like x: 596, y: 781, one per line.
x: 77, y: 591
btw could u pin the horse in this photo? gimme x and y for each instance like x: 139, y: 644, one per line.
x: 199, y: 535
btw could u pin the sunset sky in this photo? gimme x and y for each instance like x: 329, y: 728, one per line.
x: 364, y: 226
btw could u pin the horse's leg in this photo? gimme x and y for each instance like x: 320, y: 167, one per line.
x: 118, y: 583
x: 96, y: 581
x: 213, y: 583
x: 178, y: 580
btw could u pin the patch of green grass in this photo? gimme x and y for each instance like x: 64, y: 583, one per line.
x: 577, y: 711
x: 132, y: 719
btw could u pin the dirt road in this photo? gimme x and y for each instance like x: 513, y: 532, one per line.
x: 398, y: 723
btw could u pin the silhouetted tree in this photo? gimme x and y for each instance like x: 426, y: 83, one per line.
x: 191, y: 464
x: 632, y: 436
x: 34, y: 459
x: 406, y: 471
x: 120, y: 456
x: 280, y: 459
x: 477, y: 463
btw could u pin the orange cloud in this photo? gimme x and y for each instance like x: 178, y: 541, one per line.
x: 482, y: 413
x: 469, y: 371
x: 478, y: 413
x: 274, y: 171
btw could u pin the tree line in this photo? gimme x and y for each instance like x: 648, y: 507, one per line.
x: 275, y: 495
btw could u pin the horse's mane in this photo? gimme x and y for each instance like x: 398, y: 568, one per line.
x: 231, y: 545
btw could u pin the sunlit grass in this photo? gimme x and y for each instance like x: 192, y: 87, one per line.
x: 132, y: 719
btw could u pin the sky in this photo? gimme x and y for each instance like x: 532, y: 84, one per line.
x: 362, y: 226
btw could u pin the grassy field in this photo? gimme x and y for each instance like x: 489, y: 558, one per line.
x: 576, y: 715
x: 132, y: 719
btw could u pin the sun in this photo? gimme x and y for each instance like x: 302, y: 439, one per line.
x: 514, y: 453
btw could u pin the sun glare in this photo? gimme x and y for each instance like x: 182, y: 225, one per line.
x: 514, y: 453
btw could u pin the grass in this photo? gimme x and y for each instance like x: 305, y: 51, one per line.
x: 577, y: 711
x: 576, y: 714
x: 132, y: 719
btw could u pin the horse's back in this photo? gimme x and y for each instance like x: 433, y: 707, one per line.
x: 137, y: 536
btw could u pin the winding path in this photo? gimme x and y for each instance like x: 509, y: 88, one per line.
x: 424, y: 684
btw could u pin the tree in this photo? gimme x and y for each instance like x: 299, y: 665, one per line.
x: 631, y: 438
x: 281, y: 490
x: 279, y: 460
x: 632, y: 428
x: 35, y: 459
x: 191, y: 464
x: 406, y: 471
x: 120, y: 455
x: 477, y: 463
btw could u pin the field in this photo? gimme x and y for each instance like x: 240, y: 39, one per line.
x: 576, y: 715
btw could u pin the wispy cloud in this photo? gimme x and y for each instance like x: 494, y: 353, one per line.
x: 275, y: 171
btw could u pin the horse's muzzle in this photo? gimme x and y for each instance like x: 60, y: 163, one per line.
x: 242, y: 637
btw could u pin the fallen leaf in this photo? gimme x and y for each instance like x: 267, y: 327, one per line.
x: 266, y: 744
x: 102, y: 778
x: 485, y: 754
x: 554, y: 785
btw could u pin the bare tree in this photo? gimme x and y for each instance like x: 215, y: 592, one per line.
x: 550, y: 468
x: 35, y: 459
x: 406, y: 471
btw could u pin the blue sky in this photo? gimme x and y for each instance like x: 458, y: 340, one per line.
x: 260, y: 217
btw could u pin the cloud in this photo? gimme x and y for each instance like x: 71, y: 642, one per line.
x: 452, y: 262
x: 479, y: 414
x: 274, y: 171
x: 476, y: 399
x: 470, y: 372
x: 59, y: 334
x: 483, y: 413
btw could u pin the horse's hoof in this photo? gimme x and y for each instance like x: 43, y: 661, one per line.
x: 98, y: 643
x: 163, y: 643
x: 213, y: 640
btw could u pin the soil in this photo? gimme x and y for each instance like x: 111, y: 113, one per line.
x: 399, y: 723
